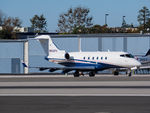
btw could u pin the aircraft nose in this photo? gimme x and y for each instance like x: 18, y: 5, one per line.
x: 138, y: 64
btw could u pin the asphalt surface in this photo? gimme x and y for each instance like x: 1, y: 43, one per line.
x: 66, y: 94
x: 50, y: 78
x: 74, y: 104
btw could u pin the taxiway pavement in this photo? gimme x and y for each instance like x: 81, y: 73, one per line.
x: 104, y: 85
x: 66, y: 94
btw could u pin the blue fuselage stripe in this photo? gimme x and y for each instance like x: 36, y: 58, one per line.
x: 83, y: 63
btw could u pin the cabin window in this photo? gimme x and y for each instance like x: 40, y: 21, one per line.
x: 97, y: 58
x: 93, y: 58
x: 84, y: 58
x: 88, y: 58
x: 101, y: 58
x: 105, y: 58
x: 122, y: 55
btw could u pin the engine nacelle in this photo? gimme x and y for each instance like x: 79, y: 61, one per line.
x: 67, y: 56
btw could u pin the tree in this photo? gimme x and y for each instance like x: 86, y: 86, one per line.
x: 74, y: 18
x: 39, y: 23
x: 96, y: 29
x: 148, y: 25
x: 80, y: 30
x: 10, y: 26
x: 143, y: 16
x: 2, y: 17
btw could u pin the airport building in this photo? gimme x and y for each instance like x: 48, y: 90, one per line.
x: 13, y: 52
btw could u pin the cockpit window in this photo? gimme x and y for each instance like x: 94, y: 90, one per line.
x: 127, y: 55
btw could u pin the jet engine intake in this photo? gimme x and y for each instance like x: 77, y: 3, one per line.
x: 67, y: 56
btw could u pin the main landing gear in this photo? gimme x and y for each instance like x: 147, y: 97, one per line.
x: 91, y: 74
x: 116, y: 73
x: 77, y: 74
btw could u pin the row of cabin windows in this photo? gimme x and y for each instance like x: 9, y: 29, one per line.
x: 95, y: 58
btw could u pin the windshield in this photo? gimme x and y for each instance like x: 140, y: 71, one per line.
x: 127, y: 55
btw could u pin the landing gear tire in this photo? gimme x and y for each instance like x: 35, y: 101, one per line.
x: 76, y: 74
x: 92, y: 74
x: 116, y: 73
x: 130, y: 74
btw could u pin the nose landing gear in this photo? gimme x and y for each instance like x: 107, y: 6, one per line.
x: 129, y: 72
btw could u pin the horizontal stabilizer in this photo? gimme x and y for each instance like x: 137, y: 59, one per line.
x: 23, y: 63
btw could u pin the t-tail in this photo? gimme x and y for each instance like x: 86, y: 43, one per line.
x: 49, y: 47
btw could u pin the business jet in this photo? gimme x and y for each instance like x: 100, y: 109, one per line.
x: 144, y: 59
x: 90, y: 62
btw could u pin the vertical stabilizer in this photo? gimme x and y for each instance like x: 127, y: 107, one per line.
x: 148, y: 53
x: 47, y: 44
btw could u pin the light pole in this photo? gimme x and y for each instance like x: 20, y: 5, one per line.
x: 124, y: 17
x: 123, y: 21
x: 106, y: 19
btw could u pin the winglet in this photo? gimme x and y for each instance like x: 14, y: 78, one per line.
x: 148, y: 53
x: 23, y: 63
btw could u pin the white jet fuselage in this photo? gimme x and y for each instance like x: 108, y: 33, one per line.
x: 86, y: 61
x: 99, y: 60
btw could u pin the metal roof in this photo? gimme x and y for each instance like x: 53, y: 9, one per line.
x: 18, y: 40
x: 101, y: 35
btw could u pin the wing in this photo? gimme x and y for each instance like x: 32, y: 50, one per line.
x: 66, y: 69
x: 144, y: 67
x: 63, y: 68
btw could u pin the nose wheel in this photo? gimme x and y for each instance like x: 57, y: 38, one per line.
x: 130, y: 72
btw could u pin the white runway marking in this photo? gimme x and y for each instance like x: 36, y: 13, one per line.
x: 74, y: 94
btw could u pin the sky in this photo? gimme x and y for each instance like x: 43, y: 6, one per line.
x: 51, y: 9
